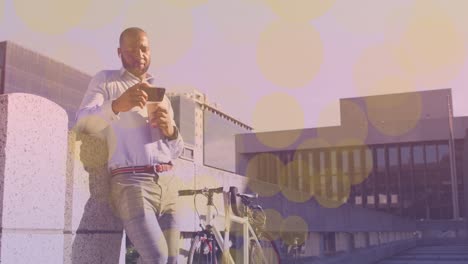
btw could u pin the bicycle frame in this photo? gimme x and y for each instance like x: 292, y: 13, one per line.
x: 248, y: 233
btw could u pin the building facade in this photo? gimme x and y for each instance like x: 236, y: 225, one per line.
x: 26, y: 71
x: 208, y: 132
x: 397, y: 153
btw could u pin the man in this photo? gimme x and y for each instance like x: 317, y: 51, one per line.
x: 114, y: 106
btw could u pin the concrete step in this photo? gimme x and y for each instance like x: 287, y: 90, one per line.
x: 443, y: 254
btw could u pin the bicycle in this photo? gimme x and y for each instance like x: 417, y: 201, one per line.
x: 265, y: 249
x: 209, y: 246
x: 295, y: 250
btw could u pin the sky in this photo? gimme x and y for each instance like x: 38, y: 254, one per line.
x: 273, y: 64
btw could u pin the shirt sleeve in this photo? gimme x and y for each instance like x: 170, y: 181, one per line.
x: 175, y: 145
x: 95, y: 112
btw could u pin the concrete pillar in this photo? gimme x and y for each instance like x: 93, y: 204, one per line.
x: 343, y: 241
x: 55, y: 188
x: 33, y: 159
x: 315, y: 244
x: 374, y: 238
x: 361, y: 240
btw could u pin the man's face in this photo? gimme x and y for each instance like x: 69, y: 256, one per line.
x: 135, y: 53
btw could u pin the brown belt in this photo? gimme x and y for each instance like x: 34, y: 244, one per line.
x: 143, y: 169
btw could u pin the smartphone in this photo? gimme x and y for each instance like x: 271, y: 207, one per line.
x: 155, y: 94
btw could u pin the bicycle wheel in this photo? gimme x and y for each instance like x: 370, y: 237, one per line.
x: 269, y: 250
x: 203, y: 251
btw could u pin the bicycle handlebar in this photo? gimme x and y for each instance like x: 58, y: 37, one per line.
x: 200, y: 191
x: 246, y: 199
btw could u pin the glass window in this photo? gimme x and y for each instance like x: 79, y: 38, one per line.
x: 393, y: 157
x: 333, y: 154
x: 382, y: 198
x: 310, y: 163
x: 300, y: 171
x: 431, y: 155
x: 344, y: 157
x: 418, y: 157
x: 443, y: 153
x: 358, y: 200
x: 357, y: 160
x: 405, y: 156
x: 369, y: 161
x: 322, y: 162
x: 380, y: 159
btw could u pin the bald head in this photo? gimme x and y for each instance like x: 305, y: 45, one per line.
x: 130, y: 32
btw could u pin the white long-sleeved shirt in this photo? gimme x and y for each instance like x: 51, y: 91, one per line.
x: 128, y: 134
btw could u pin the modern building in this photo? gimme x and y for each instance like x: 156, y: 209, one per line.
x: 402, y: 153
x: 206, y: 130
x: 398, y: 153
x: 26, y: 71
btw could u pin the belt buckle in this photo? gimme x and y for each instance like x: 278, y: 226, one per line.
x: 157, y: 168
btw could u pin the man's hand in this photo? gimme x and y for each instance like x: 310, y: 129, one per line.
x: 160, y: 118
x: 132, y: 97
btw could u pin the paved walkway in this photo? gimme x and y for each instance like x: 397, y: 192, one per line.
x: 443, y: 254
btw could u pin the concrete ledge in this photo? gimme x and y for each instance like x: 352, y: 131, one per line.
x: 368, y: 255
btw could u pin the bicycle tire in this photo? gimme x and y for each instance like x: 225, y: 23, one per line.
x: 269, y: 250
x: 196, y: 256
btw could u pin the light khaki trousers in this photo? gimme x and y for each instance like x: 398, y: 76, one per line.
x: 146, y: 205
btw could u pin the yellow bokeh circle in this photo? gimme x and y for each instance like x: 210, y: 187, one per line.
x: 274, y: 112
x: 431, y: 49
x: 335, y: 192
x: 378, y: 71
x: 456, y: 9
x: 313, y: 143
x: 300, y: 10
x: 375, y: 18
x: 51, y: 16
x: 289, y: 54
x: 397, y: 116
x: 294, y: 180
x: 307, y: 153
x: 274, y: 219
x: 91, y: 151
x: 94, y: 17
x: 294, y: 229
x: 354, y: 122
x: 363, y: 162
x: 263, y: 174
